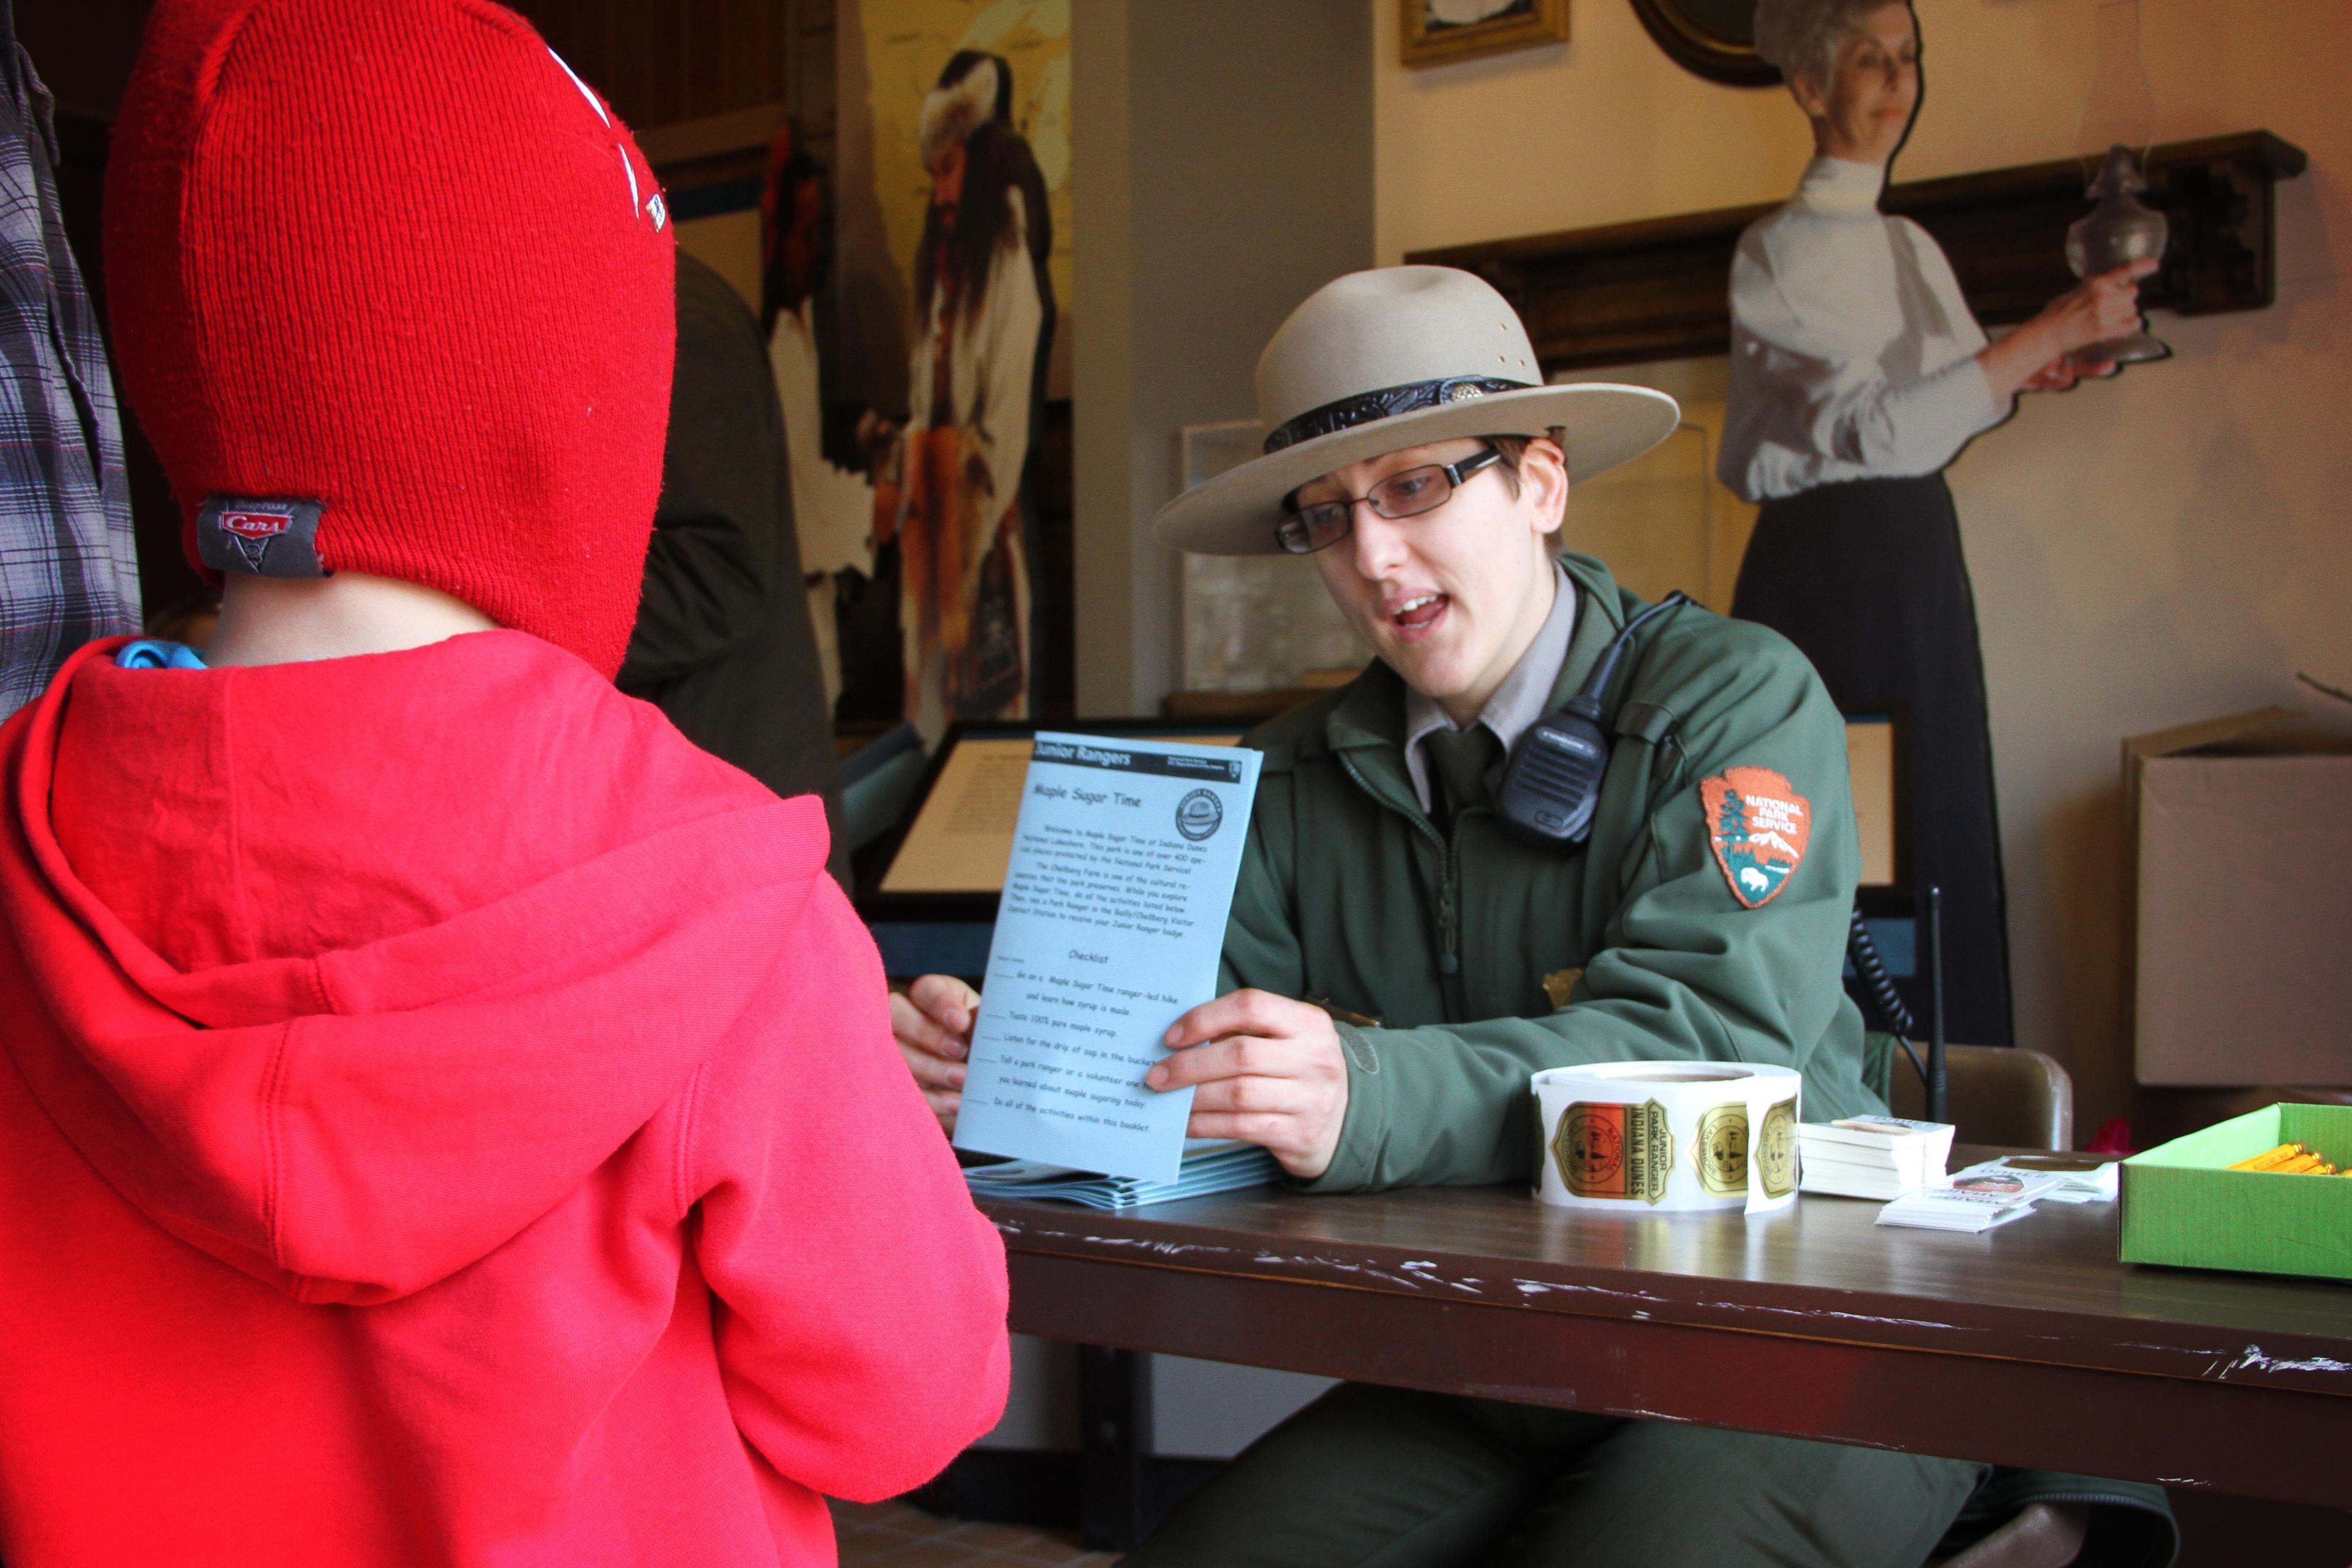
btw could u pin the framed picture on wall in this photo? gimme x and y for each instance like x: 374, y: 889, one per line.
x: 1438, y: 32
x: 1713, y: 38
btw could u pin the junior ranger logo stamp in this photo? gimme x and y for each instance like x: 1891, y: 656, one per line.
x: 1200, y: 814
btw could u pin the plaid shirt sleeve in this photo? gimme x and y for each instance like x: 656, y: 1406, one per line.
x: 68, y: 570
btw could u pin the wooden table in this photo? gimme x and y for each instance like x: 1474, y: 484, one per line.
x: 2028, y: 1345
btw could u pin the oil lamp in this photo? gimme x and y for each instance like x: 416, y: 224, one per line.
x: 2117, y: 229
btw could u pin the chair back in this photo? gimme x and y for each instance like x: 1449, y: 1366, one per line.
x: 1999, y: 1094
x: 879, y: 781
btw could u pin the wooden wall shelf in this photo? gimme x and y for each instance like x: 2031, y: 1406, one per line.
x: 1656, y: 290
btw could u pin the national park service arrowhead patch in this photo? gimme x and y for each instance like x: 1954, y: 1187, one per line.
x: 1759, y: 826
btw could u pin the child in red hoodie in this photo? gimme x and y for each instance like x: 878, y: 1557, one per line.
x: 443, y: 1116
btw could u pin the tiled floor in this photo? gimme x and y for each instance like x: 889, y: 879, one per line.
x: 892, y: 1534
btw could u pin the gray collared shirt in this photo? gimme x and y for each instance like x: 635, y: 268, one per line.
x: 1516, y: 703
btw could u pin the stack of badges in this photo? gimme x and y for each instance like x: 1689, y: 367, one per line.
x: 1874, y: 1156
x: 1668, y: 1135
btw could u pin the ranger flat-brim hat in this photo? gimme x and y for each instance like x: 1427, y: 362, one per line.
x: 1402, y: 356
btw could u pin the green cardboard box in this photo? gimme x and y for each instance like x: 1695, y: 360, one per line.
x: 2182, y: 1205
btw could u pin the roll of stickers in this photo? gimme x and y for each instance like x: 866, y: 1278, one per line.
x: 1668, y: 1135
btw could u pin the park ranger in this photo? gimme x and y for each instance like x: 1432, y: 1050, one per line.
x: 1410, y: 938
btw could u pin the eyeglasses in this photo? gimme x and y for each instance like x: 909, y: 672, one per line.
x: 1307, y: 529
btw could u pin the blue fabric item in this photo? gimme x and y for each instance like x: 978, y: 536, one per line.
x: 154, y: 653
x: 66, y: 570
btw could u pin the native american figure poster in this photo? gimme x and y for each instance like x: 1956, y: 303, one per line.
x: 954, y: 257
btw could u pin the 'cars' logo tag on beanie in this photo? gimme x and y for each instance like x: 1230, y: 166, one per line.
x: 259, y: 538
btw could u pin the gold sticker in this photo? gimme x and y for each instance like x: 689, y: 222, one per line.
x: 1776, y: 1149
x: 1559, y: 985
x: 1721, y: 1152
x: 1614, y: 1151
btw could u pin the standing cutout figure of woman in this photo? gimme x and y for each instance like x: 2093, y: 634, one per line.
x: 1857, y: 374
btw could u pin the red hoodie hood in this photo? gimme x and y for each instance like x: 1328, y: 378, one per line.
x: 349, y: 971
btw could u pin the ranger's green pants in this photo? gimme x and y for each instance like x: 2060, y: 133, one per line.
x: 1386, y: 1478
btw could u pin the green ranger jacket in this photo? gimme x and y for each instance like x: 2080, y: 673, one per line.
x: 1476, y: 959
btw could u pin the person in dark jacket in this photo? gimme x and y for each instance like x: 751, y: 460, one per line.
x: 723, y: 642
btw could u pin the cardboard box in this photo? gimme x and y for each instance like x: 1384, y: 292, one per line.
x: 2181, y: 1207
x: 2243, y: 964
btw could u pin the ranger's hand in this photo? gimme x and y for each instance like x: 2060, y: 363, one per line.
x: 932, y: 1024
x: 1265, y: 1070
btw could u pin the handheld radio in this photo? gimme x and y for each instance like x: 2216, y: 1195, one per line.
x: 1553, y: 779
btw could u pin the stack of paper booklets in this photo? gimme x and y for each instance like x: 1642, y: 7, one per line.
x: 1947, y: 1208
x: 1210, y: 1165
x: 1995, y: 1192
x: 1992, y: 1192
x: 2061, y: 1178
x: 1871, y: 1156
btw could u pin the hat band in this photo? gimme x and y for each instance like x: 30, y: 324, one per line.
x: 1387, y: 403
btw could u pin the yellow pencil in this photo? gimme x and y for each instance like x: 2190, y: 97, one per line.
x: 2269, y: 1157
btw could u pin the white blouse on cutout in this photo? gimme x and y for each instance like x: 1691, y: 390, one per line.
x: 1853, y: 352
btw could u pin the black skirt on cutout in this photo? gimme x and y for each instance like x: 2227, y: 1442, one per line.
x: 1868, y: 579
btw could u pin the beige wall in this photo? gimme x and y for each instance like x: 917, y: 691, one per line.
x: 2161, y: 550
x: 728, y: 244
x: 1228, y: 145
x: 1106, y: 557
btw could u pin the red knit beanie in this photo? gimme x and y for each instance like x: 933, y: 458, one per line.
x: 391, y: 292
